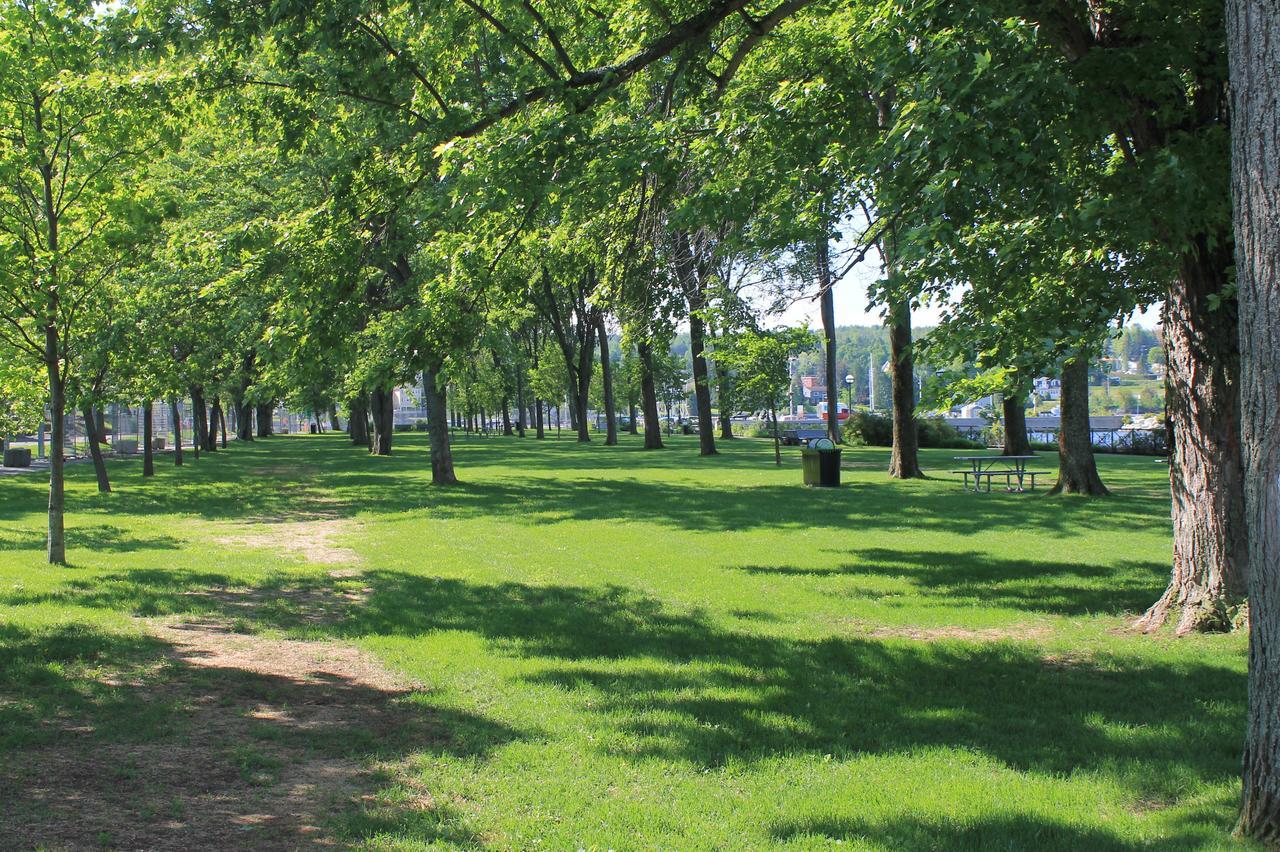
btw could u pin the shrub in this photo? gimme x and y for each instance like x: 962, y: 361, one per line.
x: 756, y: 430
x: 403, y: 427
x: 872, y: 430
x: 864, y: 429
x: 419, y: 425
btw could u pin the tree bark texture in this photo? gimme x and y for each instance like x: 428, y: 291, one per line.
x: 438, y: 428
x: 176, y: 413
x: 358, y: 422
x: 521, y: 418
x: 649, y: 398
x: 264, y: 413
x: 148, y: 454
x: 1016, y: 442
x: 696, y: 298
x: 904, y: 460
x: 1253, y: 29
x: 244, y: 421
x: 382, y: 406
x: 827, y: 302
x: 95, y: 449
x: 57, y: 544
x: 199, y: 418
x: 1077, y: 471
x: 215, y: 415
x: 1206, y: 467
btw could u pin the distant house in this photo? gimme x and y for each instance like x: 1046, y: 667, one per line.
x: 1048, y: 388
x: 814, y: 390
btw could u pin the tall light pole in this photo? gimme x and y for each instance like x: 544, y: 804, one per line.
x: 848, y: 381
x: 871, y: 382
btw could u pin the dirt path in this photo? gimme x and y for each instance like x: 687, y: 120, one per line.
x: 267, y: 741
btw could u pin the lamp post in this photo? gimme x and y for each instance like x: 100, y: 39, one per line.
x: 848, y: 383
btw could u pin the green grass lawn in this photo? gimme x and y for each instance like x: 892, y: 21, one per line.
x: 617, y: 649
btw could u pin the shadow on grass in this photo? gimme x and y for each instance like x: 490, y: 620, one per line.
x: 100, y: 538
x: 683, y: 687
x: 1013, y: 832
x: 526, y: 482
x: 962, y: 578
x: 130, y: 741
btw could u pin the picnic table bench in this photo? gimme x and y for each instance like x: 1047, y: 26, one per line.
x: 795, y: 437
x: 1012, y: 469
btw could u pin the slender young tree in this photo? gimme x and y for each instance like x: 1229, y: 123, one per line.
x: 65, y: 149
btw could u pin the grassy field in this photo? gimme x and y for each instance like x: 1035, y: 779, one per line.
x: 597, y: 647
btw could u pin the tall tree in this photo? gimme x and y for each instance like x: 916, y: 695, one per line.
x: 1253, y: 28
x: 71, y: 128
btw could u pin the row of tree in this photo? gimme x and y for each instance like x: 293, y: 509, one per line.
x: 317, y: 202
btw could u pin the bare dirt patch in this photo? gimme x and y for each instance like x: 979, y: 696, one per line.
x: 211, y: 645
x: 1018, y: 632
x: 314, y: 540
x: 264, y: 742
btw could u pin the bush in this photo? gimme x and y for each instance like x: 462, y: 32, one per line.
x: 872, y: 430
x: 756, y: 430
x: 864, y: 429
x: 403, y: 427
x: 419, y: 425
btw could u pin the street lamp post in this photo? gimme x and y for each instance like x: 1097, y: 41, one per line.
x: 848, y: 382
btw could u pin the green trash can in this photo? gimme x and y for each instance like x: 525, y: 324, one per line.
x: 821, y: 463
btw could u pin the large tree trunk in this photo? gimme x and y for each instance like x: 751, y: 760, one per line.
x: 333, y: 417
x: 358, y: 422
x: 266, y: 428
x: 701, y: 383
x: 244, y: 420
x: 649, y: 397
x: 1077, y: 471
x: 1206, y: 468
x: 199, y: 419
x: 904, y: 461
x: 1016, y: 442
x: 148, y: 454
x: 215, y: 414
x: 222, y: 421
x: 696, y: 298
x: 176, y: 413
x: 606, y: 375
x: 438, y: 428
x: 580, y: 392
x: 1254, y: 49
x: 382, y: 405
x: 57, y: 544
x: 826, y: 300
x: 95, y: 448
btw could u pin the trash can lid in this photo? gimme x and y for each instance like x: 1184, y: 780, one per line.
x: 822, y: 444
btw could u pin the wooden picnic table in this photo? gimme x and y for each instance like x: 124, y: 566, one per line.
x: 988, y: 467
